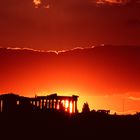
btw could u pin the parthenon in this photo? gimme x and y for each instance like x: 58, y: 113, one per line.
x: 12, y: 103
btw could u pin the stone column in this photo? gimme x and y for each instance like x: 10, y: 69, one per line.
x: 60, y: 104
x: 75, y: 106
x: 69, y: 105
x: 46, y: 104
x: 56, y: 104
x: 72, y: 106
x: 52, y: 103
x: 42, y: 103
x: 49, y: 104
x: 35, y: 103
x: 39, y: 104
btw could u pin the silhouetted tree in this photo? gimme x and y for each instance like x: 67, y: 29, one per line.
x: 85, y: 108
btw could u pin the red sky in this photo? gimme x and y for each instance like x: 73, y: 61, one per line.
x: 105, y: 76
x: 108, y: 77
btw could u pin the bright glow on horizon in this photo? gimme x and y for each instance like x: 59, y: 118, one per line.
x: 66, y: 104
x: 70, y: 107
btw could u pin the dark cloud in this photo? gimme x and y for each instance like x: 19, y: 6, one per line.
x: 66, y: 24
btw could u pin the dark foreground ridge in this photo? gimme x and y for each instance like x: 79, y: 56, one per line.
x: 53, y: 124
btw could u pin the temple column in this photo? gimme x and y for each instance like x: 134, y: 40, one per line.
x: 46, y: 104
x: 35, y: 103
x: 75, y: 106
x: 56, y: 103
x: 39, y: 104
x: 60, y: 104
x: 72, y: 106
x: 65, y: 105
x: 42, y: 103
x: 49, y: 104
x: 69, y: 106
x: 53, y: 103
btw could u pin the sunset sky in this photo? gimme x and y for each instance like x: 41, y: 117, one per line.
x: 86, y: 47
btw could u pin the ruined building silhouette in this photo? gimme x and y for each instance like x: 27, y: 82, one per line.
x: 15, y: 103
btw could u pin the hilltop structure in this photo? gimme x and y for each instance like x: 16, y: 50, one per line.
x: 15, y: 103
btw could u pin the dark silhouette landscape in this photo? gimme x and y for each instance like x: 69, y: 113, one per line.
x: 55, y: 123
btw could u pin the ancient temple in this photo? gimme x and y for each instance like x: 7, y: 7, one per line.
x: 14, y: 103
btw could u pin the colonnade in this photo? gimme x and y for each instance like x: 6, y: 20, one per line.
x: 59, y: 104
x: 11, y: 102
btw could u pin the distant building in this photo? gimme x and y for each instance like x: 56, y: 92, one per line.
x: 104, y: 111
x: 14, y: 103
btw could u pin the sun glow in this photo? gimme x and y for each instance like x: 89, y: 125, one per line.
x: 67, y: 106
x: 70, y: 107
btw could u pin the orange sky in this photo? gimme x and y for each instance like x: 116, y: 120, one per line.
x: 107, y: 77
